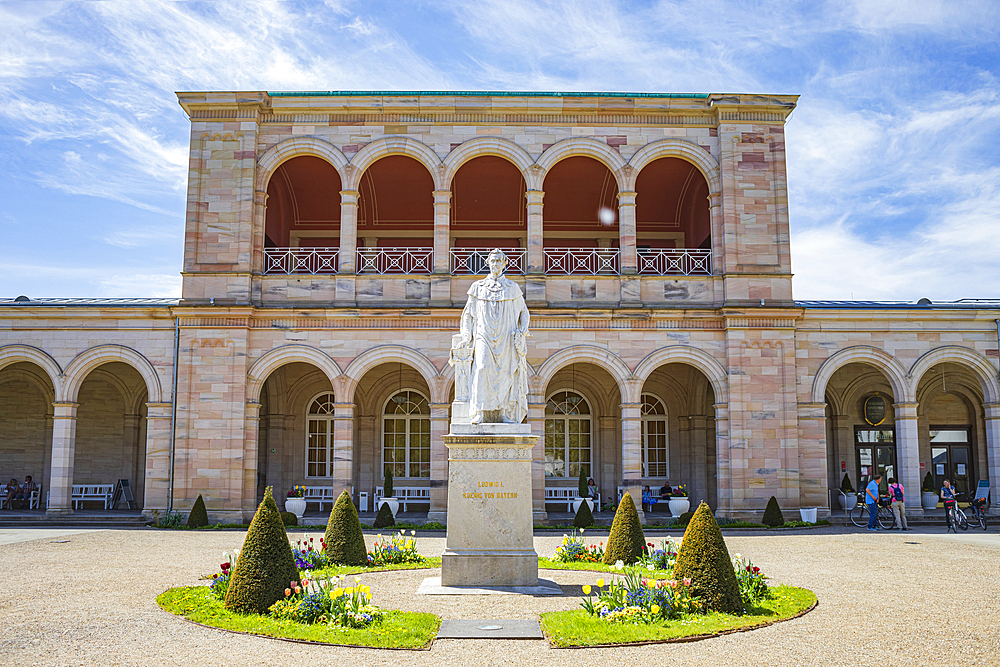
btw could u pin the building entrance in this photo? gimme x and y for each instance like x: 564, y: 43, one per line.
x: 875, y: 450
x: 951, y: 458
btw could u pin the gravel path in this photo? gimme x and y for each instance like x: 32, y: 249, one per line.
x: 915, y: 598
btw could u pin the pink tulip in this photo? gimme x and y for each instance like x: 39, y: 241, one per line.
x: 287, y: 592
x: 298, y: 589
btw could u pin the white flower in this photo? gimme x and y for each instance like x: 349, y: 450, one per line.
x: 651, y: 568
x: 738, y: 556
x: 619, y: 564
x: 413, y: 532
x: 581, y: 531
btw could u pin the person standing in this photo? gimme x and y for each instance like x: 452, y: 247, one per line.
x: 948, y: 498
x: 898, y: 498
x: 871, y: 499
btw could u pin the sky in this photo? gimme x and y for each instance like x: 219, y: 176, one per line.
x: 893, y: 159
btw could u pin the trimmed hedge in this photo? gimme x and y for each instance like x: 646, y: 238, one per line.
x: 265, y: 566
x: 704, y: 558
x: 345, y: 543
x: 626, y: 541
x: 584, y: 517
x: 684, y: 519
x: 289, y: 519
x: 384, y: 518
x: 198, y: 517
x: 845, y: 484
x: 772, y: 514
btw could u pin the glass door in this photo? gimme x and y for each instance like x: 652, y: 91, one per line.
x: 951, y: 458
x: 875, y: 450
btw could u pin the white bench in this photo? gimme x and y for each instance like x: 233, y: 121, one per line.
x: 561, y: 494
x: 89, y: 492
x: 32, y: 499
x: 319, y: 495
x: 406, y: 494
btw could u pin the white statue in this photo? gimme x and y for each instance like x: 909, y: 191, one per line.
x: 495, y: 327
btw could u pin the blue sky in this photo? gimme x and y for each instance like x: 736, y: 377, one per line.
x: 894, y: 166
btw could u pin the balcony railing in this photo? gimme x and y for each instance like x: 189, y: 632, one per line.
x: 301, y: 260
x: 472, y: 261
x: 657, y: 262
x: 395, y: 260
x: 582, y: 261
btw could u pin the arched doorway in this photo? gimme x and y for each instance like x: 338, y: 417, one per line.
x: 26, y: 397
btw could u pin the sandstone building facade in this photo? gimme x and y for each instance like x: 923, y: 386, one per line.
x: 331, y: 238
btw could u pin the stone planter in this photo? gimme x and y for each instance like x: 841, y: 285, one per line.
x: 296, y: 506
x: 391, y: 502
x: 578, y: 501
x: 929, y: 500
x: 678, y: 506
x: 848, y: 502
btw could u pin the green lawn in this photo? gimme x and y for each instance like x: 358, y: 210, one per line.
x: 549, y: 564
x: 577, y: 628
x: 399, y: 629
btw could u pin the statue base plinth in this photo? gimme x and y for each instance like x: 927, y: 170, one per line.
x: 490, y: 530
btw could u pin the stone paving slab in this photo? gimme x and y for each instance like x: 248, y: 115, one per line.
x: 496, y: 628
x: 432, y: 586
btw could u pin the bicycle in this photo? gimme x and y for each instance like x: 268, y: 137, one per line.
x: 977, y: 513
x: 885, y: 518
x: 955, y: 516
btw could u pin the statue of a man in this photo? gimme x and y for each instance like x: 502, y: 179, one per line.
x: 495, y: 326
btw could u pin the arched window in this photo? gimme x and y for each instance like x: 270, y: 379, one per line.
x: 406, y: 435
x: 567, y: 435
x: 319, y: 434
x: 655, y: 462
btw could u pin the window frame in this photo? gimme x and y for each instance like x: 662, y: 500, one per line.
x: 644, y: 437
x: 330, y: 420
x: 566, y: 433
x: 408, y: 433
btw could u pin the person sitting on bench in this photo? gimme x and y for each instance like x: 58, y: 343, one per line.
x: 665, y: 491
x: 24, y: 493
x: 10, y: 491
x: 647, y: 499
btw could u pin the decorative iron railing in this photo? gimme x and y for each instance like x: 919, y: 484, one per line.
x: 395, y: 260
x: 657, y: 262
x: 472, y: 261
x: 582, y: 261
x: 301, y: 260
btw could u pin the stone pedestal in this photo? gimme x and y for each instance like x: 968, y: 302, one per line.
x: 490, y: 531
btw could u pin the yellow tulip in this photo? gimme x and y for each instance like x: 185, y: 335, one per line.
x: 586, y: 589
x: 600, y: 583
x: 655, y: 609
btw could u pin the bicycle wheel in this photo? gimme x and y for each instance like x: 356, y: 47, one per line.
x: 859, y: 515
x: 886, y: 519
x: 963, y: 521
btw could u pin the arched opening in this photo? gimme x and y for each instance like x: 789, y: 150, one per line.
x: 951, y: 426
x: 26, y: 396
x: 295, y: 439
x: 392, y: 430
x: 678, y: 433
x: 302, y: 220
x: 583, y: 431
x: 673, y: 223
x: 111, y: 430
x: 488, y: 211
x: 861, y: 428
x: 576, y: 241
x: 396, y: 217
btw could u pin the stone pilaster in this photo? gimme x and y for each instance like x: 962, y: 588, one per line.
x: 723, y: 462
x: 908, y: 455
x: 535, y: 260
x: 63, y: 454
x: 536, y: 417
x: 992, y: 424
x: 259, y: 218
x: 348, y: 231
x: 632, y: 453
x: 439, y: 463
x: 157, y: 482
x: 626, y: 232
x: 343, y: 450
x: 813, y: 478
x: 442, y: 231
x: 251, y: 433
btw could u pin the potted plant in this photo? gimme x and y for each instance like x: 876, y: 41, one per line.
x: 296, y: 501
x: 582, y: 493
x: 929, y: 495
x: 679, y: 502
x: 387, y: 494
x: 849, y: 498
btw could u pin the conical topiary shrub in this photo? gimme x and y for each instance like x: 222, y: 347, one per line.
x: 704, y: 558
x: 384, y: 518
x: 772, y: 514
x: 584, y: 517
x: 199, y: 515
x: 626, y: 541
x: 582, y: 488
x: 928, y: 486
x: 387, y: 489
x: 845, y: 484
x: 345, y: 543
x: 289, y: 519
x: 265, y: 566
